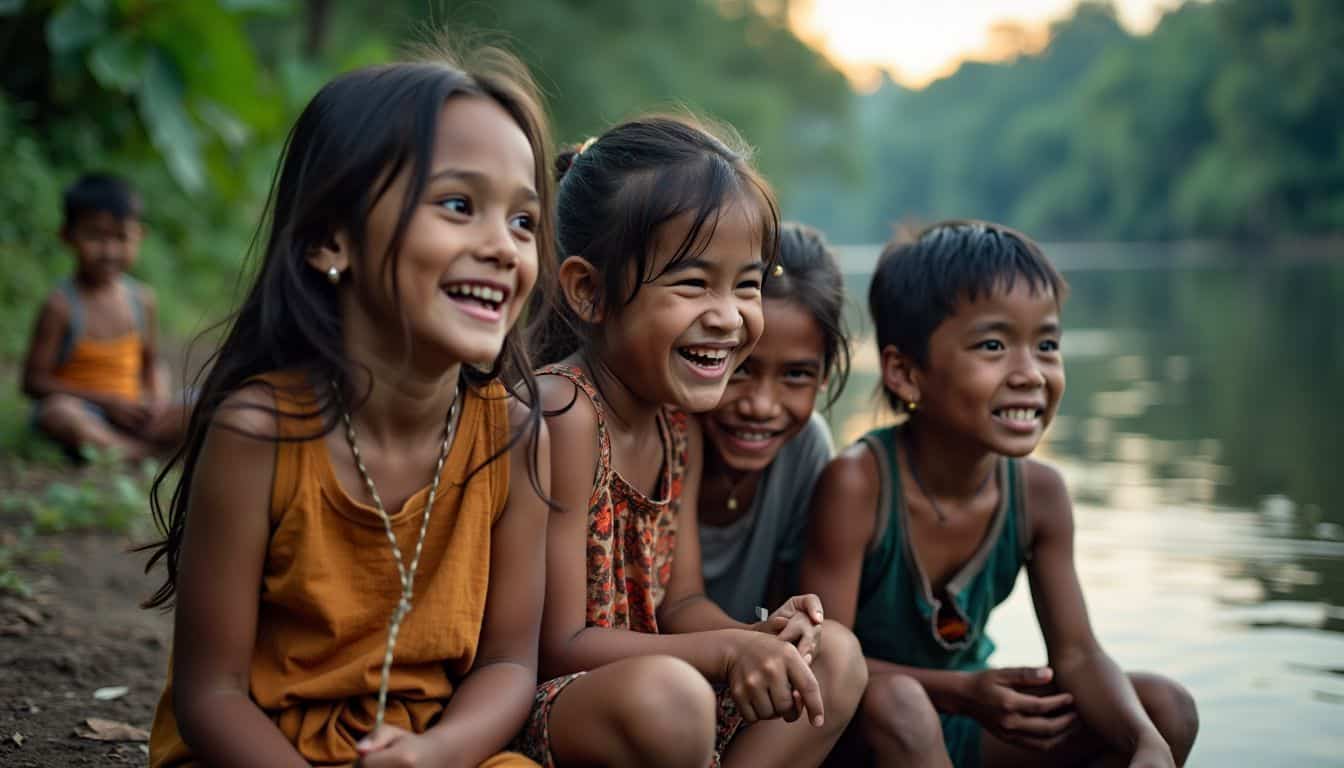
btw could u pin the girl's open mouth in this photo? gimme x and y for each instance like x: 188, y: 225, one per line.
x: 480, y: 300
x: 709, y: 362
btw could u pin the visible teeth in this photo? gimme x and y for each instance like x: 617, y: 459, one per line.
x: 755, y: 437
x: 1020, y: 414
x: 482, y: 292
x: 708, y: 352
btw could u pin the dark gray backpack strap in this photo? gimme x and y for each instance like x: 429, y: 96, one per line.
x: 74, y: 327
x: 137, y: 303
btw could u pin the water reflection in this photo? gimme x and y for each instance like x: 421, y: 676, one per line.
x: 1201, y: 442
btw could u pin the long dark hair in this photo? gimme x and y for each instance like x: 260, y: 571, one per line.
x: 809, y: 276
x: 615, y: 193
x: 351, y: 142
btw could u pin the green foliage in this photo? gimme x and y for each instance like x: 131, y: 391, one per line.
x: 103, y: 497
x: 1225, y: 121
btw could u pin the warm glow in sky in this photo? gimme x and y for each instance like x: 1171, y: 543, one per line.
x: 918, y: 41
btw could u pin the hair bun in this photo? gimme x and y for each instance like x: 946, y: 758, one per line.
x: 564, y: 160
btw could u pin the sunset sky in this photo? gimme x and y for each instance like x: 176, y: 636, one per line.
x: 918, y: 41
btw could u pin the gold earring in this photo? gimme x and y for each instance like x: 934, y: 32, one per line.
x: 911, y: 405
x: 333, y: 275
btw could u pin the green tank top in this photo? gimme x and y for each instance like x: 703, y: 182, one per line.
x: 899, y: 617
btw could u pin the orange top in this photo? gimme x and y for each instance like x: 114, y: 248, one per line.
x: 329, y: 586
x: 112, y: 366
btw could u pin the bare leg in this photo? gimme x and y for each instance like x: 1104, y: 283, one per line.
x: 899, y: 724
x: 654, y: 711
x: 67, y: 420
x: 842, y: 674
x: 1168, y: 704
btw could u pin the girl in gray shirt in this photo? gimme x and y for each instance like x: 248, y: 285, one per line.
x: 764, y: 445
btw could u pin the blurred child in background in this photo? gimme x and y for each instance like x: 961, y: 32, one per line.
x: 92, y: 368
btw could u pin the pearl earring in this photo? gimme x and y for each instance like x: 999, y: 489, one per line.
x: 333, y: 274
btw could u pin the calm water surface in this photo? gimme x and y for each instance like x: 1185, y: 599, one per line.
x: 1201, y: 438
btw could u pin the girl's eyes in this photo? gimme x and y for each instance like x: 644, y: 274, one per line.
x: 693, y: 282
x: 460, y: 205
x: 749, y: 285
x: 524, y: 221
x: 1050, y: 345
x: 800, y: 376
x: 457, y: 204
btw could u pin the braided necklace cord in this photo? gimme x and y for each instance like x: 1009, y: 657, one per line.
x: 407, y: 576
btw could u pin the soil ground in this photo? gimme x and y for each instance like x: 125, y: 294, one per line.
x: 80, y: 630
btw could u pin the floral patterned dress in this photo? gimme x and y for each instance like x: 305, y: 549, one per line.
x: 631, y: 539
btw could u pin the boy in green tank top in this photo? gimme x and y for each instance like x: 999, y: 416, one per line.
x: 918, y: 531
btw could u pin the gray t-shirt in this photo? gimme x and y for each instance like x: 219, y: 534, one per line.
x: 738, y: 558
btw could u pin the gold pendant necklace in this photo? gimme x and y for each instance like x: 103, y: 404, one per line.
x: 407, y: 576
x: 731, y: 504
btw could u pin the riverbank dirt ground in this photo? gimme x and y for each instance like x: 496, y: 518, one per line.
x: 71, y: 645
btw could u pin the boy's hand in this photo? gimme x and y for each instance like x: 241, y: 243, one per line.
x: 127, y: 414
x: 1004, y: 703
x: 797, y: 621
x: 768, y: 678
x: 392, y: 747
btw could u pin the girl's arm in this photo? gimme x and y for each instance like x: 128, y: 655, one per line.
x: 686, y: 607
x: 492, y: 701
x: 569, y: 645
x: 219, y: 578
x: 1103, y: 695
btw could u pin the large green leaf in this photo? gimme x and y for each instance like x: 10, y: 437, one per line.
x: 211, y: 51
x: 169, y: 126
x: 75, y: 26
x: 118, y: 63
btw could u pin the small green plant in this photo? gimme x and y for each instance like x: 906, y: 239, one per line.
x: 16, y: 546
x: 105, y: 496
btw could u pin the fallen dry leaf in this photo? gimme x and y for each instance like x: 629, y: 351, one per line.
x: 17, y: 738
x: 24, y: 611
x: 98, y: 729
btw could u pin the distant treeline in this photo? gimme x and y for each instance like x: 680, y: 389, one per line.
x: 1226, y: 121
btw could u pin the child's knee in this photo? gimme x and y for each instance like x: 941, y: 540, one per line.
x: 841, y: 671
x: 899, y: 716
x: 66, y: 418
x: 59, y: 408
x: 1172, y: 709
x: 668, y: 712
